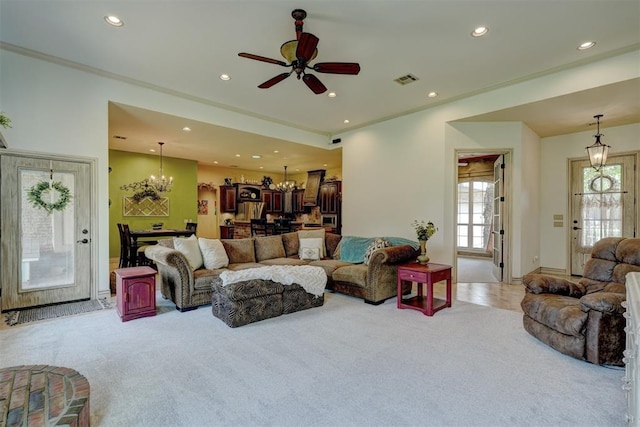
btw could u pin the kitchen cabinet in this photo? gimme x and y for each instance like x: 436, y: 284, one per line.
x: 314, y: 178
x: 297, y: 200
x: 248, y: 193
x: 272, y: 200
x: 228, y: 194
x: 330, y: 197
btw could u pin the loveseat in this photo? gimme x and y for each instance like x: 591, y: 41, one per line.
x: 374, y: 281
x: 584, y: 319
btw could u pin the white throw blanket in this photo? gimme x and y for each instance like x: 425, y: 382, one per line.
x: 312, y: 279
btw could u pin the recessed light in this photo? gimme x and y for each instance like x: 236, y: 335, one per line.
x: 256, y: 156
x: 215, y: 162
x: 237, y: 155
x: 276, y: 151
x: 346, y: 121
x: 114, y: 20
x: 325, y: 165
x: 479, y: 31
x: 225, y: 77
x: 261, y: 167
x: 432, y: 94
x: 586, y: 45
x: 186, y: 129
x: 153, y: 150
x: 331, y: 95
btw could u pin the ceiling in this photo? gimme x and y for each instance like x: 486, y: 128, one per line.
x: 182, y: 46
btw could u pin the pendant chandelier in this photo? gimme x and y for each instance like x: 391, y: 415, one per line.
x: 598, y: 152
x: 285, y: 186
x: 160, y: 183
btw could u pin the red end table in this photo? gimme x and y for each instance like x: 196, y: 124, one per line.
x: 135, y: 292
x: 424, y: 274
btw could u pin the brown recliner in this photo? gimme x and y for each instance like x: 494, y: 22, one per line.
x: 584, y: 319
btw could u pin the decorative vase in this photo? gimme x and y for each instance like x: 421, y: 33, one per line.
x: 423, y: 258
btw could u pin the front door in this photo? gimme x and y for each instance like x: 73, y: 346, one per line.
x: 602, y: 205
x: 45, y: 231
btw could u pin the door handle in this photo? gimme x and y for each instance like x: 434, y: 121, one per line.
x: 577, y: 228
x: 83, y: 241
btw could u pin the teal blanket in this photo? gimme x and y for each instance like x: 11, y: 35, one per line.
x: 352, y: 248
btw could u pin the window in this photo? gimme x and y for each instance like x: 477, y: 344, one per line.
x: 475, y: 201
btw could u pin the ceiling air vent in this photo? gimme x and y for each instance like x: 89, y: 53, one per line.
x: 406, y: 79
x: 119, y: 137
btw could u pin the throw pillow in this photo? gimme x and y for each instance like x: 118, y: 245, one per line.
x: 376, y: 244
x: 213, y: 253
x: 190, y: 249
x: 308, y: 234
x: 311, y: 248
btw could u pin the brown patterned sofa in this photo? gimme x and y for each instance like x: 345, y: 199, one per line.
x: 374, y: 282
x: 584, y: 319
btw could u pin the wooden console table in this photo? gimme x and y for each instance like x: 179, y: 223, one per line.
x: 424, y: 274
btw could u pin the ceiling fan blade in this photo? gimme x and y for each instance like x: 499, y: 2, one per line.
x: 272, y: 81
x: 337, y: 67
x: 306, y: 46
x: 263, y: 59
x: 314, y: 84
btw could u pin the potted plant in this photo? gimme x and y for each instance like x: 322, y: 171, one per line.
x: 5, y: 122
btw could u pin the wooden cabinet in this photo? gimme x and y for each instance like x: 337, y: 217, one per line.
x: 313, y: 183
x: 330, y: 197
x: 297, y: 200
x: 273, y: 201
x: 248, y: 193
x: 228, y: 196
x: 135, y: 292
x: 226, y: 231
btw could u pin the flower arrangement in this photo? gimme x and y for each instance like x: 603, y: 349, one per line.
x: 424, y: 231
x: 35, y: 193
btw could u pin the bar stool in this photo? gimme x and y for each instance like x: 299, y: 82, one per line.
x: 259, y: 227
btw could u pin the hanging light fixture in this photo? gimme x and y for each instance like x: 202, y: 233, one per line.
x: 160, y: 183
x: 285, y: 186
x: 598, y: 152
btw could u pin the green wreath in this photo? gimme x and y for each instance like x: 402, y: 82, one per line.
x: 34, y: 196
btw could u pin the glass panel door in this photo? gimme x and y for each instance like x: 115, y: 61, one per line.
x: 602, y: 205
x: 45, y: 231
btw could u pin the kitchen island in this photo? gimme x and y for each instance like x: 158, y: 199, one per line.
x: 242, y: 229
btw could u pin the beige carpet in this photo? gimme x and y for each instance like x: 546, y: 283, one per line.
x: 346, y: 363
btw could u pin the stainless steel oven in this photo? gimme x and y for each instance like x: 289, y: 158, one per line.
x: 329, y: 220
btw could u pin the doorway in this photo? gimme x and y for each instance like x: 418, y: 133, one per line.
x: 46, y: 222
x: 481, y: 253
x: 602, y: 205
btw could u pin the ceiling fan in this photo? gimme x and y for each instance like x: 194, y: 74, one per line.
x: 299, y: 53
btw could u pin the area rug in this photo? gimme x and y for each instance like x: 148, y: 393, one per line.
x: 18, y: 317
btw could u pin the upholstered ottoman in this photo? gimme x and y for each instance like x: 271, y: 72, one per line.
x: 253, y: 300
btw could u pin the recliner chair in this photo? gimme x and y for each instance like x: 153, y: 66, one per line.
x: 584, y: 319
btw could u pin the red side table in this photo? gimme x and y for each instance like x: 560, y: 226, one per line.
x: 424, y: 274
x: 135, y: 292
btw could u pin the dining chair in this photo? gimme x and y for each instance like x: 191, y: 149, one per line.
x: 191, y: 226
x: 281, y: 225
x: 124, y: 247
x: 259, y: 227
x: 134, y: 254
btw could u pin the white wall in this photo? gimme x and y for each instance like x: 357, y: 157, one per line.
x: 554, y: 179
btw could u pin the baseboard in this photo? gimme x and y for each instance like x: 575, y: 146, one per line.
x: 553, y: 271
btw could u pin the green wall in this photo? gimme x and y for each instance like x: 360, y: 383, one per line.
x: 129, y: 167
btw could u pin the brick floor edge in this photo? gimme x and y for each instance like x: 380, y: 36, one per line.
x: 43, y: 395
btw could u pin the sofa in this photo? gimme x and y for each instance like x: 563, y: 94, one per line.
x: 584, y: 319
x: 373, y: 281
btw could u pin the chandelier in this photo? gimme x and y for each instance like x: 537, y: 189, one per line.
x: 160, y: 183
x: 598, y: 152
x: 285, y: 186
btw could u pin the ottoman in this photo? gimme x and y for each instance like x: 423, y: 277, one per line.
x: 253, y: 300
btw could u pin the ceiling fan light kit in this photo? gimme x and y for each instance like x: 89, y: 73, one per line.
x: 299, y: 53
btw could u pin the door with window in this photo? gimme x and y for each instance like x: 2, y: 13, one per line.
x: 45, y: 231
x: 498, y: 229
x: 602, y: 205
